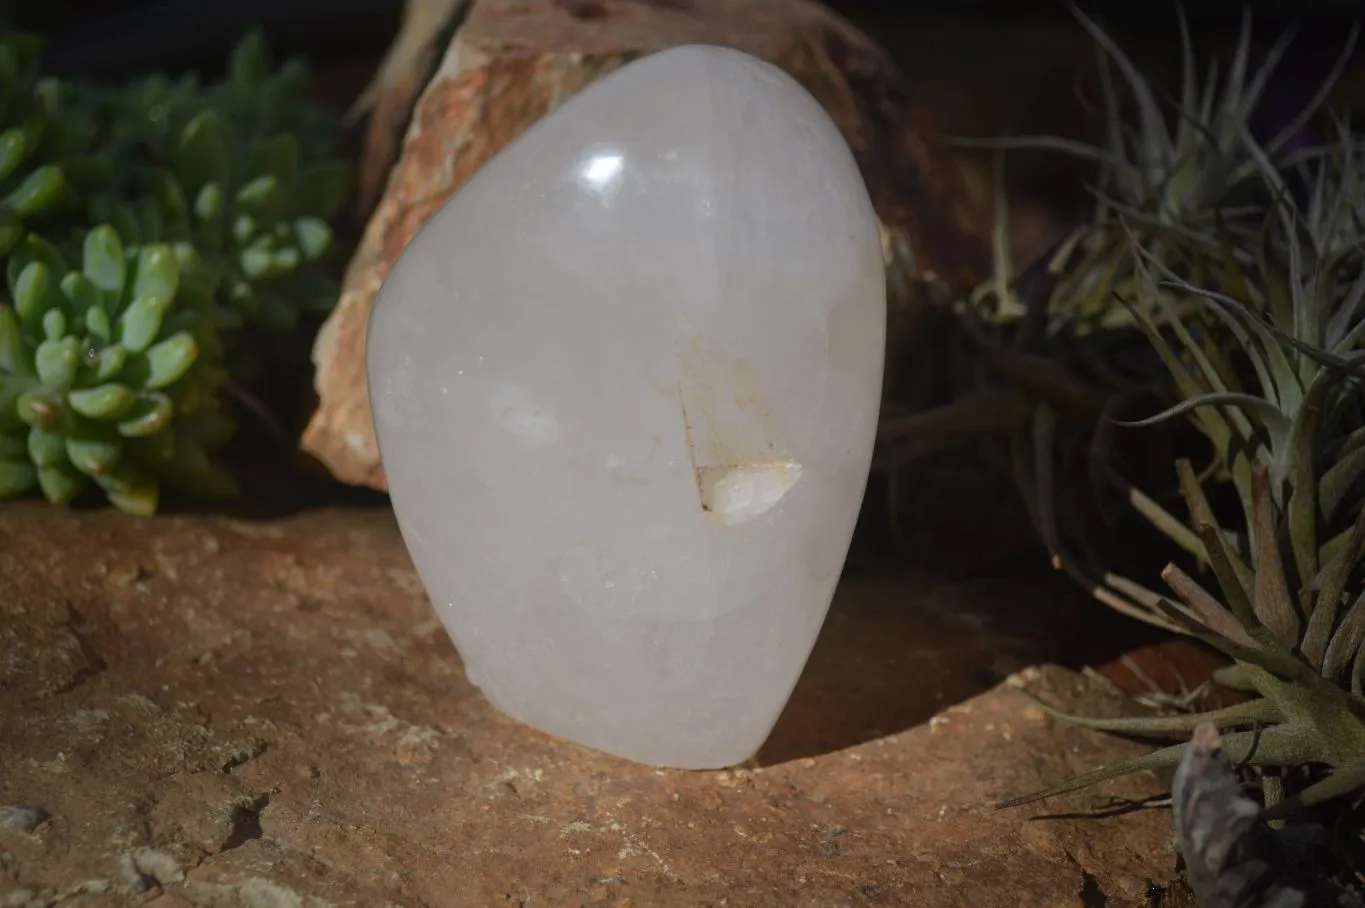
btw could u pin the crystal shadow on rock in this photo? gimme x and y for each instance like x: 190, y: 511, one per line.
x: 897, y: 650
x: 912, y: 633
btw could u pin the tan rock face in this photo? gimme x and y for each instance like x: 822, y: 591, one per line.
x: 512, y: 62
x: 220, y: 712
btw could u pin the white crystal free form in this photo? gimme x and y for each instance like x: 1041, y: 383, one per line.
x: 625, y: 384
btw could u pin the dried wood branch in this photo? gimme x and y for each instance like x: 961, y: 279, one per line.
x: 392, y: 95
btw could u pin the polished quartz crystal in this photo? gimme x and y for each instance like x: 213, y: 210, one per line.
x: 625, y: 385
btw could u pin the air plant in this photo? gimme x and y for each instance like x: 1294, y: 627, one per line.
x: 1055, y: 355
x: 1270, y: 369
x: 1221, y: 275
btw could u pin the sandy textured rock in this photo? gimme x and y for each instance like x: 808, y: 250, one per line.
x: 512, y: 61
x: 228, y: 712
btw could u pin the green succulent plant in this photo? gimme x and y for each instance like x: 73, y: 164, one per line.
x: 264, y: 213
x: 108, y: 373
x: 246, y: 169
x: 32, y: 180
x: 161, y: 241
x: 263, y: 100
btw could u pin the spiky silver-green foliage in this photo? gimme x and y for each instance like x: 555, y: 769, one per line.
x: 1264, y: 350
x: 1269, y: 369
x: 1220, y: 282
x: 1055, y: 357
x: 1181, y: 177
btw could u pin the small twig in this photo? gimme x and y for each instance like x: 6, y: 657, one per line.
x: 253, y: 405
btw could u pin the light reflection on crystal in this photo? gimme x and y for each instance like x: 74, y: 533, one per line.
x: 603, y: 171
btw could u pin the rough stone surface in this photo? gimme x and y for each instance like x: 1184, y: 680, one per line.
x: 512, y: 61
x: 229, y: 712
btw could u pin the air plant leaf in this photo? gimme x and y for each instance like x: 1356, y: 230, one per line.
x: 1234, y: 577
x: 1337, y: 483
x: 1275, y: 420
x: 1331, y: 590
x: 1346, y: 642
x: 1272, y: 602
x: 1258, y: 711
x: 1207, y: 609
x: 1275, y: 745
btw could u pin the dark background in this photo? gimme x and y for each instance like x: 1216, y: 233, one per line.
x: 115, y: 38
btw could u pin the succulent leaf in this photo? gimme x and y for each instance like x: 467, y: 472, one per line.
x: 134, y: 493
x: 13, y: 145
x: 314, y: 237
x: 57, y: 362
x: 11, y: 231
x: 94, y: 454
x: 148, y: 415
x: 17, y: 477
x: 204, y: 153
x: 107, y: 401
x: 158, y: 274
x: 46, y: 448
x: 40, y: 409
x: 82, y: 296
x: 30, y: 291
x: 109, y: 361
x: 60, y: 483
x: 11, y: 344
x: 140, y: 323
x: 170, y: 359
x: 103, y: 260
x: 208, y: 203
x: 38, y: 192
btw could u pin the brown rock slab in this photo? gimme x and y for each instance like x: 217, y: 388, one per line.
x: 205, y: 711
x: 513, y: 61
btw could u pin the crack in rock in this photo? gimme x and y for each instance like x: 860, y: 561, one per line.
x: 245, y: 820
x: 240, y: 752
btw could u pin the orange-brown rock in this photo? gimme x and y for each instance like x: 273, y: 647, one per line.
x: 206, y: 711
x: 513, y: 61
